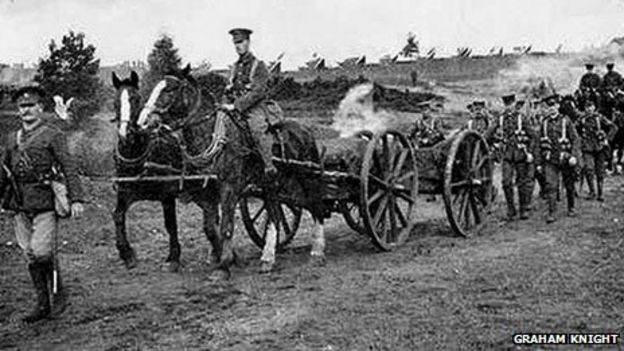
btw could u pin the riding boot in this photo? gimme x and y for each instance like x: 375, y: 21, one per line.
x: 599, y: 186
x: 42, y: 309
x: 509, y: 198
x: 590, y: 185
x: 59, y: 298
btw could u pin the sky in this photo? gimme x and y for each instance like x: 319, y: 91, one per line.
x: 336, y: 29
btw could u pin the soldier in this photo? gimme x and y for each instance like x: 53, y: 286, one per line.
x: 595, y: 146
x: 560, y: 152
x: 479, y: 117
x: 612, y: 80
x: 35, y: 155
x: 590, y: 81
x: 518, y: 151
x: 248, y: 90
x: 427, y: 131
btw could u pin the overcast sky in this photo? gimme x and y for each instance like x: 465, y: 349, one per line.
x: 125, y: 30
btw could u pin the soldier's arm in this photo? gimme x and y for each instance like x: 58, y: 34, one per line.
x: 534, y: 145
x: 69, y: 169
x: 258, y: 90
x: 610, y: 126
x: 574, y: 139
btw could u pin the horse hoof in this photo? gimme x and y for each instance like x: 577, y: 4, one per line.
x: 266, y: 267
x: 318, y: 261
x: 174, y: 267
x: 219, y: 275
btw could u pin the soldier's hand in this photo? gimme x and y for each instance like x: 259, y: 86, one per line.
x: 77, y: 209
x: 539, y: 169
x: 228, y: 107
x: 62, y: 108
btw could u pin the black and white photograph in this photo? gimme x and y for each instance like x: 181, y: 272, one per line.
x: 311, y: 175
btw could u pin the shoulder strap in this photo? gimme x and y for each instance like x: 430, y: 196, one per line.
x: 254, y: 66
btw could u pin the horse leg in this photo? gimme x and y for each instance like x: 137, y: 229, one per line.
x: 318, y: 243
x: 126, y: 252
x: 171, y: 224
x: 229, y: 202
x: 267, y: 260
x: 210, y: 211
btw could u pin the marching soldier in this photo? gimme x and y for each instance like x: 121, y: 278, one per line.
x: 248, y: 90
x: 560, y: 152
x: 518, y: 151
x: 595, y: 147
x: 34, y: 156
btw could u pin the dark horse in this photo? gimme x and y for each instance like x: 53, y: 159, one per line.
x: 136, y: 150
x: 218, y: 143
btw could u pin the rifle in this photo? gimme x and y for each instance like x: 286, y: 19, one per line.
x: 14, y: 188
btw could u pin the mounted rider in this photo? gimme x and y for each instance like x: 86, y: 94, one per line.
x: 247, y: 93
x: 590, y: 84
x: 612, y: 80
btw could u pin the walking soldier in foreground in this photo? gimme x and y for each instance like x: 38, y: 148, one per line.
x: 560, y: 152
x: 35, y: 157
x: 248, y: 94
x: 595, y: 147
x: 518, y: 147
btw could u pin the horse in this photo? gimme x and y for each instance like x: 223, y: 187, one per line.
x: 134, y: 151
x: 218, y: 142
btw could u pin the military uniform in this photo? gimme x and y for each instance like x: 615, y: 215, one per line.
x: 612, y: 80
x: 248, y: 88
x: 427, y: 132
x: 595, y: 148
x: 560, y: 151
x: 519, y: 150
x: 590, y: 81
x: 480, y: 118
x: 30, y: 159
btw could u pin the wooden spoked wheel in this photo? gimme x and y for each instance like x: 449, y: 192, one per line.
x: 388, y: 189
x: 468, y: 183
x: 255, y: 215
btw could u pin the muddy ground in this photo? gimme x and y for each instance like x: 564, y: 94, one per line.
x: 436, y: 292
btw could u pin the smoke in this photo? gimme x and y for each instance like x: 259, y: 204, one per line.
x: 560, y: 72
x: 356, y: 112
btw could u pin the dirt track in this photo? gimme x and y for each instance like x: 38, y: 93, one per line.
x: 436, y: 292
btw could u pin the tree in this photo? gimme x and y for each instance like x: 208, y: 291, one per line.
x: 71, y: 70
x: 163, y: 59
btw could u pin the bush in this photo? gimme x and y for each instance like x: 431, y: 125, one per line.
x: 71, y: 70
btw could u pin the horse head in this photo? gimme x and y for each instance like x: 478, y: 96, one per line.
x: 173, y: 99
x: 127, y: 102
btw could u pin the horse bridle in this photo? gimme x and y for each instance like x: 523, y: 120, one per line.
x: 179, y: 94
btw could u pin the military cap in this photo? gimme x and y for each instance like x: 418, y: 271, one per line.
x: 610, y: 65
x: 240, y: 34
x: 589, y: 65
x: 553, y: 98
x: 470, y: 106
x: 479, y: 103
x: 509, y: 99
x: 28, y: 94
